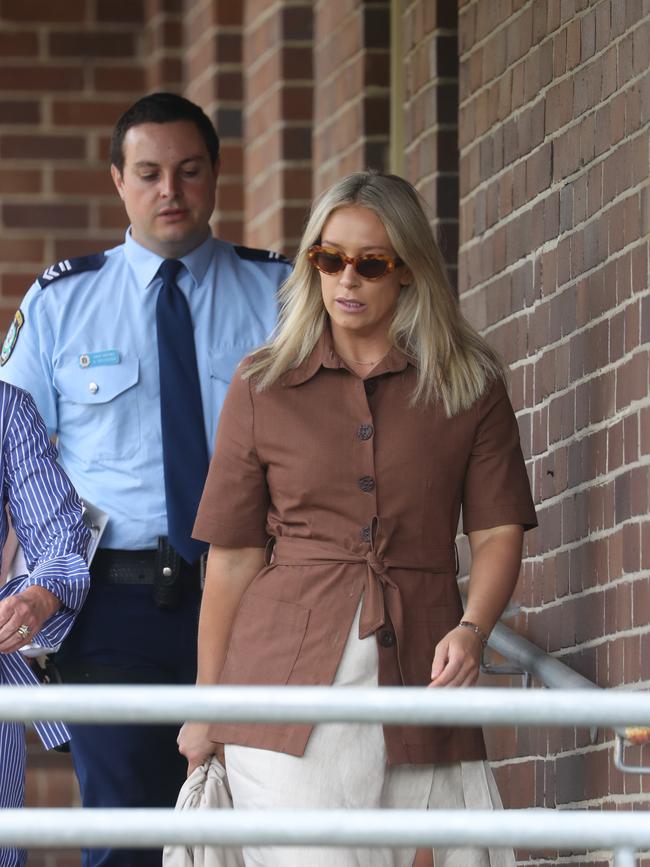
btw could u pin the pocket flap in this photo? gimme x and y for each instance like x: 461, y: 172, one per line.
x: 223, y: 362
x: 91, y: 385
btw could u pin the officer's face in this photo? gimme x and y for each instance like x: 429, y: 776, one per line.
x: 167, y: 186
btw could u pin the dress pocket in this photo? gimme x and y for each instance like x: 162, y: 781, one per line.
x: 265, y: 642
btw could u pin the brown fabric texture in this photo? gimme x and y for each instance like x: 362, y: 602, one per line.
x: 361, y: 494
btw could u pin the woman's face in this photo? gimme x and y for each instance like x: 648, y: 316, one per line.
x: 356, y: 305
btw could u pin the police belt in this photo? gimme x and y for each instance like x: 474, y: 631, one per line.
x: 115, y: 566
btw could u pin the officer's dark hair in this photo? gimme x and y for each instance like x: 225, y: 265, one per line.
x: 162, y: 108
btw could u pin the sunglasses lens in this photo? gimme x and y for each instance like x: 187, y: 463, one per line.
x: 329, y: 263
x: 372, y: 268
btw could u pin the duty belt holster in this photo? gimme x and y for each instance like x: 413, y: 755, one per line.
x: 168, y: 578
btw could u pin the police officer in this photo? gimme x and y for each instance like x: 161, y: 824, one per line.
x: 128, y: 355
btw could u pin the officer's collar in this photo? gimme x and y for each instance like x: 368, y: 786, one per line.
x: 145, y: 263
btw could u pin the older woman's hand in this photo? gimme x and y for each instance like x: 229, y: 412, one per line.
x: 29, y: 609
x: 457, y: 659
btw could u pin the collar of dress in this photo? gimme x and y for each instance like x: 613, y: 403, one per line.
x: 324, y: 355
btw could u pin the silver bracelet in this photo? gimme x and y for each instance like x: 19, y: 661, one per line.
x: 476, y: 630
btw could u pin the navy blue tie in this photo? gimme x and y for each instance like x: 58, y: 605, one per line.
x: 185, y: 451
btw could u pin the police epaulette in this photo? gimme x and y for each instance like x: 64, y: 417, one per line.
x: 71, y: 266
x: 260, y: 255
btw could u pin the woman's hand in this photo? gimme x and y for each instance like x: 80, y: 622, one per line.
x: 457, y: 659
x: 31, y: 608
x: 194, y: 744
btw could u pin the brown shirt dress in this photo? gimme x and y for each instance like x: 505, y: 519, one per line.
x: 361, y: 494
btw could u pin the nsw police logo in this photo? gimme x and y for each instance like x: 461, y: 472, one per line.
x: 12, y: 337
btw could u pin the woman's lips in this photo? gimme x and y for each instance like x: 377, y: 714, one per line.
x: 350, y: 305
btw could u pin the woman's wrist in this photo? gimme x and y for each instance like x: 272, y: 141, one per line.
x: 482, y: 636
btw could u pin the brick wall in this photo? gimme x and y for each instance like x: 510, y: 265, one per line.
x: 549, y: 153
x: 430, y: 105
x: 278, y: 121
x: 553, y: 266
x: 352, y: 95
x: 213, y: 77
x: 69, y: 68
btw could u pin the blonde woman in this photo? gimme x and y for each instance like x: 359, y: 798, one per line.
x: 352, y: 440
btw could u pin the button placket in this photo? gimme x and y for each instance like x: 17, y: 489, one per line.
x: 366, y: 480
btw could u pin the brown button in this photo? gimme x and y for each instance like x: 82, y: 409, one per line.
x: 386, y: 638
x: 367, y: 484
x: 370, y: 386
x: 364, y: 534
x: 365, y: 431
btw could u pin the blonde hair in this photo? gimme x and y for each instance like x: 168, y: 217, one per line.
x: 454, y: 363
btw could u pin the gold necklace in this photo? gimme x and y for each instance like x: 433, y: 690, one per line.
x: 354, y: 361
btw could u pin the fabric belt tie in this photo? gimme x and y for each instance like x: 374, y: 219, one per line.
x: 185, y: 451
x: 381, y: 594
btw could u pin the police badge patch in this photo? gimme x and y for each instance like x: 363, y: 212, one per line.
x: 12, y: 337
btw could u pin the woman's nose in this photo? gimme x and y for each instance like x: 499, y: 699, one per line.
x: 349, y: 276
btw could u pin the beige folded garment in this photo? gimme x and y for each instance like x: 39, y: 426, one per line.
x: 205, y: 788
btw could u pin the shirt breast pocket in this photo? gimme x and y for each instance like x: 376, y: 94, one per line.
x: 222, y: 365
x: 98, y: 409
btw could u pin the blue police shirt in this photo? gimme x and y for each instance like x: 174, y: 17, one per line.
x: 84, y: 344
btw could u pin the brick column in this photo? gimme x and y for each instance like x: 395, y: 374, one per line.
x: 352, y: 88
x: 430, y: 58
x: 554, y: 139
x: 163, y: 45
x: 214, y: 79
x: 278, y: 121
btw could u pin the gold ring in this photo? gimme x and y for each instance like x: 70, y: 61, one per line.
x: 24, y: 630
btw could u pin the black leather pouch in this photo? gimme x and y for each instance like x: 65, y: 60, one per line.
x: 167, y: 585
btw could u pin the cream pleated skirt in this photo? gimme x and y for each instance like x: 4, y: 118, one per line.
x: 344, y: 765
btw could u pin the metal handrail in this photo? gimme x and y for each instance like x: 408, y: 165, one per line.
x: 333, y: 704
x: 521, y: 652
x: 145, y: 828
x: 526, y: 658
x: 44, y: 828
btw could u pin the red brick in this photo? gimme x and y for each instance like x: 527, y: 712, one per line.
x: 87, y: 112
x: 41, y: 78
x: 117, y: 79
x: 20, y: 112
x: 84, y: 245
x: 49, y: 147
x: 45, y: 216
x: 55, y: 11
x: 21, y: 250
x: 111, y: 216
x: 91, y: 44
x: 20, y: 181
x: 119, y: 11
x: 83, y: 182
x: 14, y: 285
x: 16, y: 43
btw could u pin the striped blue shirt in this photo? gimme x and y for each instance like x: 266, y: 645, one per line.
x: 46, y: 516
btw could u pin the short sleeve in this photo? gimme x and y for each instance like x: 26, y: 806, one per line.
x: 27, y: 356
x: 233, y: 508
x: 496, y: 489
